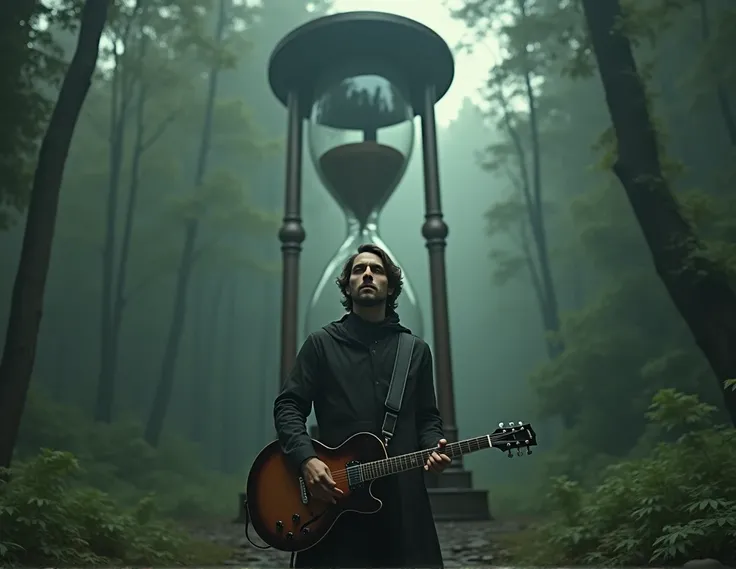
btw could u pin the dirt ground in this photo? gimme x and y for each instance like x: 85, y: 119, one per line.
x: 464, y: 544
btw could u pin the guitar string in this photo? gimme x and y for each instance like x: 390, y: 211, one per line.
x: 342, y: 475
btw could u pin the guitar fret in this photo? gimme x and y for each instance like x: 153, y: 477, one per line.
x: 396, y: 464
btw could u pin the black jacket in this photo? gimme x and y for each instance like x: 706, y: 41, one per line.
x: 345, y: 374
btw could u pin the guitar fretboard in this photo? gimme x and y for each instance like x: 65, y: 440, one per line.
x: 404, y: 462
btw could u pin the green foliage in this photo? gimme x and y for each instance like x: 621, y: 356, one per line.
x: 713, y: 217
x: 118, y: 461
x: 32, y: 65
x: 48, y: 519
x: 677, y: 503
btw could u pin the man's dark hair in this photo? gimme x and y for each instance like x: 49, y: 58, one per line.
x: 393, y: 273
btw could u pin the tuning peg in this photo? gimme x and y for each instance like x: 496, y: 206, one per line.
x: 511, y: 424
x: 521, y: 423
x: 510, y: 455
x: 528, y: 450
x: 519, y: 452
x: 500, y: 425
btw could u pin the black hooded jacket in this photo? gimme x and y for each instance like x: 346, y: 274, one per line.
x: 345, y: 371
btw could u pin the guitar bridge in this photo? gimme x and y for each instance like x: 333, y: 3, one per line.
x: 303, y: 491
x: 355, y: 476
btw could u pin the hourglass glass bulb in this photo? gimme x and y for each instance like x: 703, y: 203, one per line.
x: 361, y: 135
x: 325, y: 307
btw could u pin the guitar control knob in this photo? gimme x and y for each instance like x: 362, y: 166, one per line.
x: 279, y: 525
x: 295, y: 517
x: 290, y: 535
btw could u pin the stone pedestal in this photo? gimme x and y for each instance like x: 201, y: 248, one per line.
x: 453, y: 497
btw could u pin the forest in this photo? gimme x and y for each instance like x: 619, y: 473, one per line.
x: 588, y: 189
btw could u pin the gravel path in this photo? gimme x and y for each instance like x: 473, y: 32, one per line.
x: 464, y: 544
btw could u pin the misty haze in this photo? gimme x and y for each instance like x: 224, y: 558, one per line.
x: 587, y: 164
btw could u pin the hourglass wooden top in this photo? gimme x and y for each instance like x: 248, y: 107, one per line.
x: 414, y: 50
x: 362, y: 175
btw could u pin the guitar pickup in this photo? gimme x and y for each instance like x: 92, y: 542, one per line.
x: 303, y: 491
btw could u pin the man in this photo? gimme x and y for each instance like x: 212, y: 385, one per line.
x: 345, y: 373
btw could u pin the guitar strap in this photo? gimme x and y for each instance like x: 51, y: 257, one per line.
x: 397, y: 386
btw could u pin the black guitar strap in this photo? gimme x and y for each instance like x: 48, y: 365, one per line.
x: 397, y: 386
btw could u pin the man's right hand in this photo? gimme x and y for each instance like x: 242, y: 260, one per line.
x: 319, y: 481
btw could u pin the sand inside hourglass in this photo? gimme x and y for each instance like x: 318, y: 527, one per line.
x: 362, y: 174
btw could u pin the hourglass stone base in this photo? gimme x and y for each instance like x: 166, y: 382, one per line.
x: 454, y: 499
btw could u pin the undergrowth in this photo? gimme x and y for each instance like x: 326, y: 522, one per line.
x: 675, y: 504
x: 104, y: 496
x: 119, y: 462
x: 48, y: 519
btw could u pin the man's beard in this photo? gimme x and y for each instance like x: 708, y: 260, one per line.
x: 369, y: 301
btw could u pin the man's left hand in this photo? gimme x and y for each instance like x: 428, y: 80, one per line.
x: 438, y: 461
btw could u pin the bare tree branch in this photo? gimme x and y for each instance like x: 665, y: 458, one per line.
x: 160, y: 129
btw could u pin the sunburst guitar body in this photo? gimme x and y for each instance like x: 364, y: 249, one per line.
x: 286, y: 517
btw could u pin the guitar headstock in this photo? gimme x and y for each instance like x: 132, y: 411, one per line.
x: 514, y: 436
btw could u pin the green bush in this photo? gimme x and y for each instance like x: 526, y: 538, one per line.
x: 675, y: 504
x: 46, y: 518
x: 120, y: 463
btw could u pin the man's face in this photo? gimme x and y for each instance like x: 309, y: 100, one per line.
x: 368, y: 280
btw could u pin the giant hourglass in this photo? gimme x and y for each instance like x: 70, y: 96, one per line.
x: 358, y: 80
x: 360, y: 136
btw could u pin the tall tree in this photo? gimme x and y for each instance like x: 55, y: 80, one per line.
x: 698, y: 286
x: 26, y: 308
x: 121, y: 35
x: 514, y: 102
x: 229, y: 408
x: 207, y: 304
x: 139, y: 73
x: 229, y: 16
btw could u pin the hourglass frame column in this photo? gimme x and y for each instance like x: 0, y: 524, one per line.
x: 435, y: 231
x: 291, y: 234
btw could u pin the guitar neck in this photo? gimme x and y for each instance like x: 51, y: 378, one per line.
x: 404, y: 462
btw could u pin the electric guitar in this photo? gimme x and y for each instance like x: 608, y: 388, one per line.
x: 286, y: 517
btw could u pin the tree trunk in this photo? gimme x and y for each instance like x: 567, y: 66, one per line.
x: 698, y: 287
x: 206, y: 335
x: 107, y: 383
x: 724, y: 103
x: 530, y: 185
x: 116, y: 298
x: 26, y: 307
x: 168, y: 366
x: 550, y: 313
x: 196, y: 355
x: 228, y: 392
x: 108, y: 353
